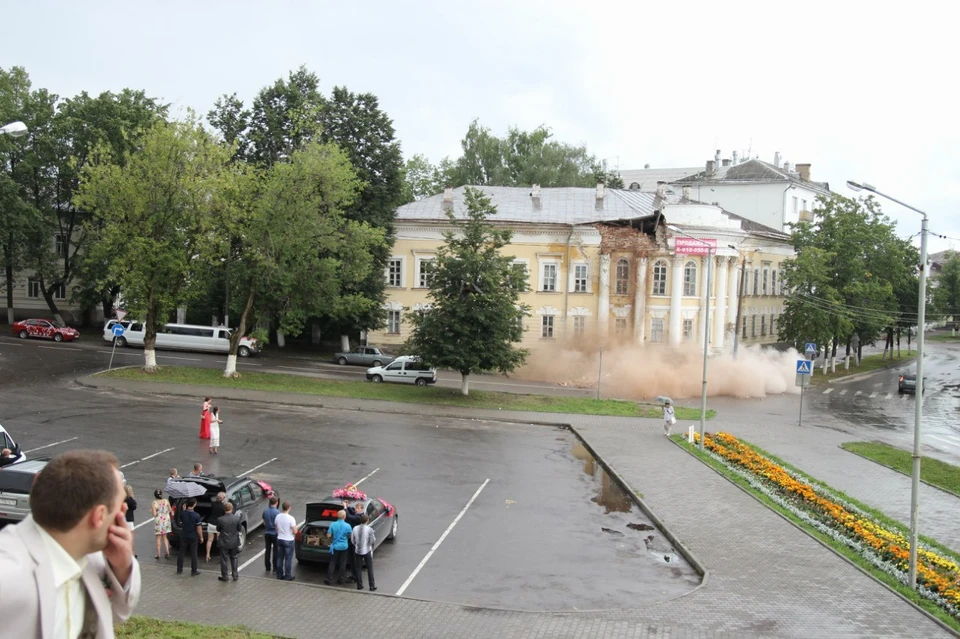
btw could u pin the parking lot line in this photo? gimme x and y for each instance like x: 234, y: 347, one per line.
x: 269, y: 461
x: 828, y: 391
x: 166, y: 450
x: 843, y: 392
x: 50, y: 445
x: 888, y: 396
x: 442, y: 537
x: 873, y: 394
x: 367, y: 477
x: 143, y: 523
x: 858, y: 393
x: 59, y: 348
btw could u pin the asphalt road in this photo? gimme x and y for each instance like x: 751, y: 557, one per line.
x: 546, y: 531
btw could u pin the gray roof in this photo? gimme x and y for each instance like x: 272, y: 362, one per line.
x: 562, y: 205
x: 756, y: 228
x: 648, y: 178
x: 751, y: 171
x: 941, y: 257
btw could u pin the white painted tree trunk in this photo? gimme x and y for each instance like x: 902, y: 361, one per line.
x: 10, y: 319
x: 231, y: 369
x: 150, y: 360
x: 344, y: 343
x: 833, y: 364
x: 59, y: 318
x: 464, y: 384
x: 181, y: 315
x: 281, y: 340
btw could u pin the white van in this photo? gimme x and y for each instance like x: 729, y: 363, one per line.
x: 191, y: 337
x: 405, y: 369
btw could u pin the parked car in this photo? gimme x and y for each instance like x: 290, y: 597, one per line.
x: 15, y: 484
x: 312, y: 543
x: 249, y: 496
x: 108, y: 329
x: 363, y: 356
x: 191, y: 337
x: 908, y: 383
x: 7, y: 442
x: 45, y: 329
x: 405, y: 370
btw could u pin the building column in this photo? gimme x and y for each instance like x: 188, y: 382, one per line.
x: 720, y: 318
x: 640, y: 303
x: 603, y: 305
x: 733, y: 296
x: 704, y: 298
x: 676, y: 292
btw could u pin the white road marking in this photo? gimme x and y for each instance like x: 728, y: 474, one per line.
x: 873, y: 394
x: 828, y: 391
x: 367, y: 477
x: 6, y: 343
x: 888, y: 396
x: 878, y: 385
x: 858, y: 393
x: 843, y: 392
x: 186, y: 359
x: 442, y: 537
x: 51, y: 445
x: 948, y: 439
x: 59, y: 348
x: 270, y: 461
x: 167, y: 450
x: 143, y: 523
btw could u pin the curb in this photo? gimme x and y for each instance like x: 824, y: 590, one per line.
x: 898, y: 471
x: 903, y: 597
x: 857, y: 376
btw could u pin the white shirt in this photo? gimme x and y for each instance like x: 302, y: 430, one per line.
x: 363, y: 539
x: 71, y: 604
x: 285, y: 524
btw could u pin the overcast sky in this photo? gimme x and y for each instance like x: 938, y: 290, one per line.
x: 858, y: 90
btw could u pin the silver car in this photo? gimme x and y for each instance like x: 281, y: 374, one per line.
x: 15, y: 483
x: 363, y: 356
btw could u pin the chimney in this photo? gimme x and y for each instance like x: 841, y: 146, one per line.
x: 535, y: 196
x: 600, y: 190
x: 711, y: 167
x: 804, y: 171
x: 786, y: 166
x: 726, y: 162
x: 448, y: 198
x: 736, y: 158
x: 776, y: 159
x: 686, y: 192
x: 661, y: 188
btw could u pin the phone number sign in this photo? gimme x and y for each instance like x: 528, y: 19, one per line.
x: 691, y: 246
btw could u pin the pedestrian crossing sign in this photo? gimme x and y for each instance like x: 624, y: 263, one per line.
x: 804, y: 367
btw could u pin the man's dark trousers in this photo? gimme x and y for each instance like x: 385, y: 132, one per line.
x: 368, y: 560
x: 231, y: 554
x: 270, y: 559
x: 190, y: 545
x: 339, y: 559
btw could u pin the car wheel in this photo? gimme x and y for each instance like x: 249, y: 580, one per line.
x: 122, y: 342
x: 342, y: 361
x: 393, y: 528
x: 57, y: 337
x: 376, y: 379
x: 243, y: 537
x: 23, y: 334
x: 243, y: 351
x: 421, y: 381
x: 377, y: 363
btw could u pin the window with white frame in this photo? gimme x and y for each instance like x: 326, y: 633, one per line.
x: 548, y: 277
x: 687, y: 330
x: 623, y: 276
x: 690, y: 279
x: 620, y: 326
x: 33, y: 289
x: 753, y: 326
x: 743, y: 324
x: 763, y: 325
x: 579, y: 325
x: 656, y: 329
x: 393, y: 322
x: 803, y: 205
x: 766, y: 276
x: 773, y: 325
x: 660, y: 277
x: 756, y: 281
x: 59, y: 292
x: 546, y: 326
x: 581, y: 278
x: 773, y: 282
x: 61, y: 246
x: 796, y: 209
x: 395, y: 272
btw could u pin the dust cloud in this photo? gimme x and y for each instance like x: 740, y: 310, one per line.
x: 643, y: 372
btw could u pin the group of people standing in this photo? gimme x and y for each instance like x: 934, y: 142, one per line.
x: 352, y: 541
x: 210, y: 425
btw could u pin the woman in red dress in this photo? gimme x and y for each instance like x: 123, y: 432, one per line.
x: 205, y: 419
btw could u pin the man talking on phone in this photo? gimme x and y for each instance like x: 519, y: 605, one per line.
x: 68, y: 569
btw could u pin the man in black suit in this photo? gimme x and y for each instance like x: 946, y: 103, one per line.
x: 354, y: 518
x: 228, y: 541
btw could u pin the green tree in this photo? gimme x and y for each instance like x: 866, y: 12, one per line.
x: 947, y: 293
x: 474, y: 319
x: 284, y: 117
x: 157, y: 213
x: 420, y: 179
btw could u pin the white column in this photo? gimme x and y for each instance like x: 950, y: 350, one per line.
x: 720, y: 317
x: 640, y: 303
x: 733, y: 296
x: 704, y: 299
x: 603, y: 305
x: 676, y: 291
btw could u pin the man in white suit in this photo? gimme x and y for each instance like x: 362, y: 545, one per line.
x: 68, y: 571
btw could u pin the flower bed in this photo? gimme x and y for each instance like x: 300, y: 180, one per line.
x: 938, y: 577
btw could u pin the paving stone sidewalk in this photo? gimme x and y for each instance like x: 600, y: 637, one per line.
x: 766, y: 577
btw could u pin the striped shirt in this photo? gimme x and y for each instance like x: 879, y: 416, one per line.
x: 363, y: 539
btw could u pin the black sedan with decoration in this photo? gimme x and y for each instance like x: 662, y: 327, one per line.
x: 312, y: 543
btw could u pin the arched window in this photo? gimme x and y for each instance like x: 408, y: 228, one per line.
x: 690, y: 279
x: 634, y: 186
x: 660, y: 277
x: 623, y: 276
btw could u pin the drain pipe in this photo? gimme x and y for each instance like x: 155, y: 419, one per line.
x: 566, y: 287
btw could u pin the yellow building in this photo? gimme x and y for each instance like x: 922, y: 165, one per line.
x: 606, y: 264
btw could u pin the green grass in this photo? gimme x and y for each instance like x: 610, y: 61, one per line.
x: 402, y: 393
x: 867, y: 364
x: 942, y: 337
x: 148, y: 628
x: 933, y: 471
x: 855, y: 557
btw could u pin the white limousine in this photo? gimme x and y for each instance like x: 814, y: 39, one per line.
x: 187, y: 337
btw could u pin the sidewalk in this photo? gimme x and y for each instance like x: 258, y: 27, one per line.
x: 766, y: 577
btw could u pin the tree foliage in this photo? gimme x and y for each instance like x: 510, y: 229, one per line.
x: 474, y: 318
x: 947, y: 292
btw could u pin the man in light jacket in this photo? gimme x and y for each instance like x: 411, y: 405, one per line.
x: 68, y: 569
x: 228, y: 541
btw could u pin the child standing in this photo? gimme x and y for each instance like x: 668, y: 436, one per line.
x: 215, y: 422
x: 668, y: 417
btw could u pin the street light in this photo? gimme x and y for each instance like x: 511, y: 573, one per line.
x: 706, y: 326
x: 736, y: 324
x: 918, y: 408
x: 14, y: 129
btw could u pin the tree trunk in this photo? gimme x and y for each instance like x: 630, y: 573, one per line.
x: 833, y: 356
x: 344, y: 343
x: 231, y: 369
x: 898, y: 343
x: 150, y: 341
x: 464, y: 383
x: 908, y: 339
x: 281, y: 340
x: 48, y: 298
x: 859, y: 353
x: 10, y: 318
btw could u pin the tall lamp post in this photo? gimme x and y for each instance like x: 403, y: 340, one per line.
x: 743, y: 284
x: 14, y: 129
x: 918, y: 408
x: 706, y: 322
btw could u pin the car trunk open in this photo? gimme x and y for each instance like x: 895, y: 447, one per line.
x: 320, y: 515
x: 204, y: 501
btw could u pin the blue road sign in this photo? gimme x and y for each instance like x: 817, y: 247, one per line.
x: 117, y: 330
x: 811, y: 348
x: 804, y: 367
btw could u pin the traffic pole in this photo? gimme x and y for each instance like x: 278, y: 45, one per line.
x: 112, y: 351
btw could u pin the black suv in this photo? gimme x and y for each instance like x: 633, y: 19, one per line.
x: 249, y: 497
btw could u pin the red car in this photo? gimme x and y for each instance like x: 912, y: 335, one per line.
x: 47, y: 329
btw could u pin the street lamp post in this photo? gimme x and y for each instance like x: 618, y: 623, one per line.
x: 14, y: 129
x: 918, y: 408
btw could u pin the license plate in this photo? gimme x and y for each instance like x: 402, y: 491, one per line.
x: 8, y: 502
